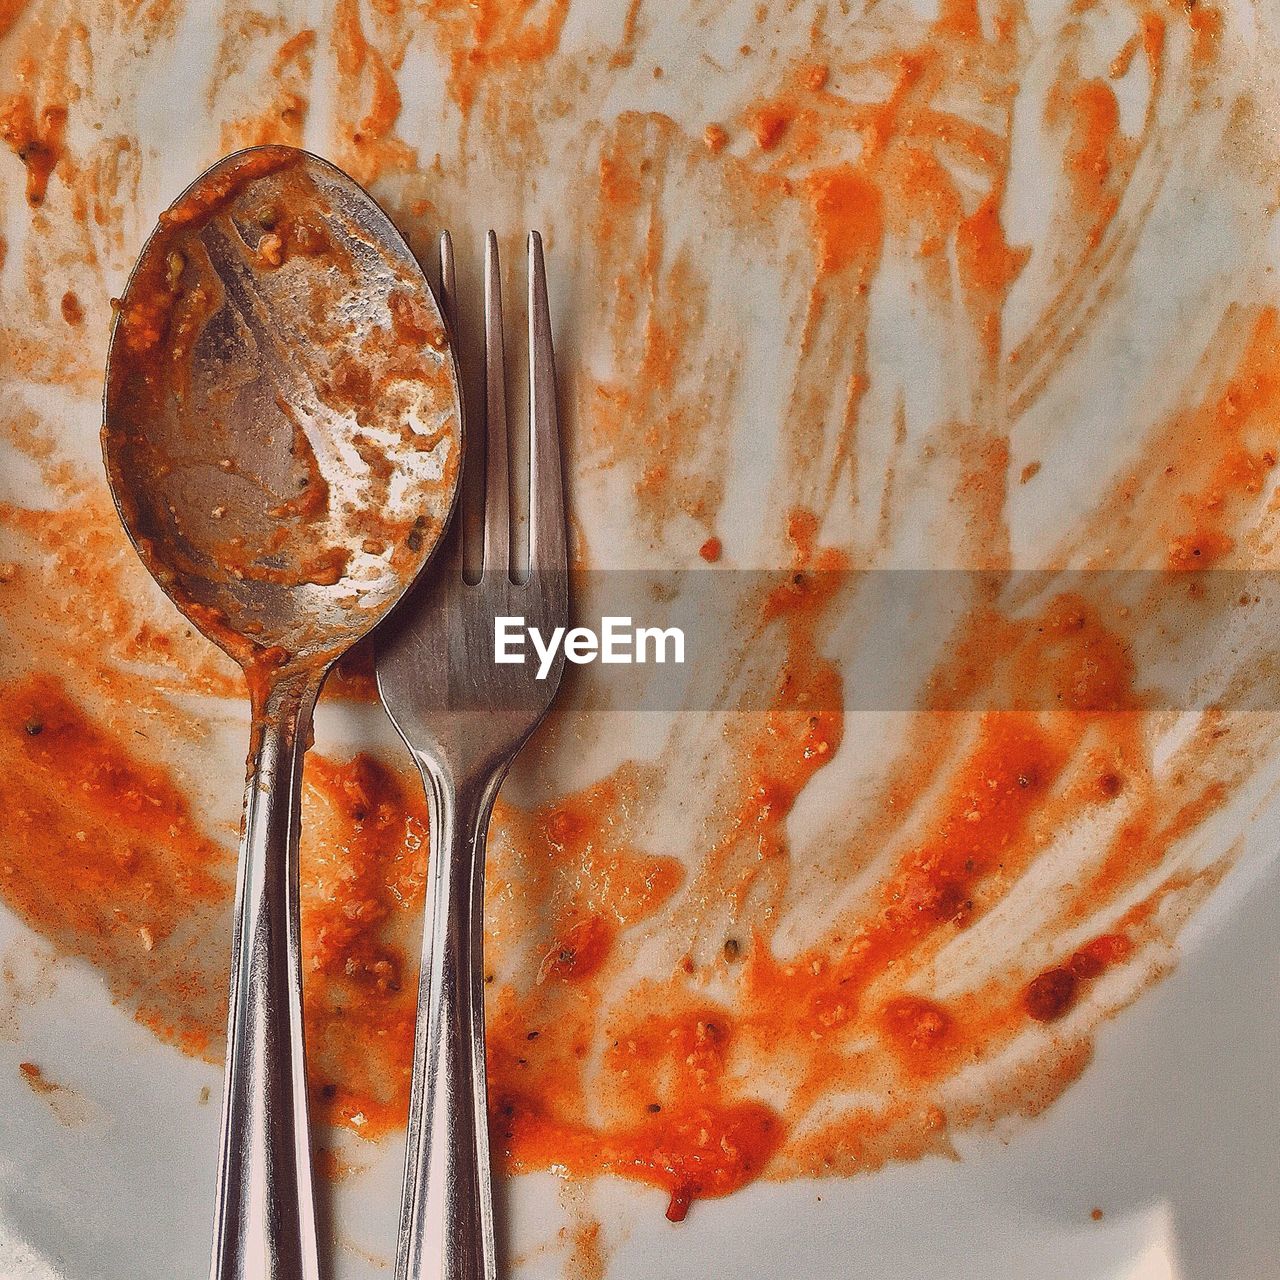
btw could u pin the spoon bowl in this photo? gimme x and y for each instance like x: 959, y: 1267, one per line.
x: 281, y: 425
x: 282, y: 436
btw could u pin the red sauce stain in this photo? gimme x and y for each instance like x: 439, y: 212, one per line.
x: 1205, y: 21
x: 780, y: 750
x: 983, y: 827
x: 680, y: 1131
x: 363, y: 872
x: 108, y: 862
x: 1052, y: 994
x: 36, y: 138
x: 848, y: 224
x: 72, y: 311
x: 676, y: 1128
x: 988, y: 266
x: 653, y: 411
x: 10, y: 12
x: 902, y: 180
x: 589, y: 1259
x: 104, y: 858
x: 580, y: 951
x: 131, y: 649
x: 35, y: 1077
x: 918, y: 1031
x: 1233, y: 436
x: 1149, y: 38
x: 1206, y: 465
x: 986, y: 827
x: 113, y: 867
x: 901, y: 192
x: 767, y: 125
x: 588, y: 868
x: 488, y: 39
x: 1094, y: 151
x: 280, y: 113
x: 368, y: 51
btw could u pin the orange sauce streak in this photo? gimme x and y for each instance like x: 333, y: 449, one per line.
x: 36, y: 138
x: 1232, y: 448
x: 1205, y: 21
x: 486, y: 38
x: 367, y: 92
x: 364, y: 866
x: 10, y: 12
x: 107, y: 860
x: 1093, y: 152
x: 848, y: 222
x: 34, y: 1075
x: 280, y: 120
x: 685, y: 1137
x: 988, y: 266
x: 104, y: 858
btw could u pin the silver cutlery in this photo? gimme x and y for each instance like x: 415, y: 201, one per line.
x: 464, y: 718
x: 231, y: 470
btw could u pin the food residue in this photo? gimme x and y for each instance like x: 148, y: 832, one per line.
x: 926, y: 260
x: 279, y: 416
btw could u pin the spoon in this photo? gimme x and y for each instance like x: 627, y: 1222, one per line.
x: 282, y: 439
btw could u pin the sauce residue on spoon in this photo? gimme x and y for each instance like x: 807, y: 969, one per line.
x: 281, y: 432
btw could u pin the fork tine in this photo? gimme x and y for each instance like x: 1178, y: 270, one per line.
x: 449, y: 309
x: 497, y: 501
x: 547, y: 540
x: 448, y: 284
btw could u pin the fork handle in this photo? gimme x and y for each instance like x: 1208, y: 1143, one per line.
x: 265, y: 1225
x: 446, y: 1215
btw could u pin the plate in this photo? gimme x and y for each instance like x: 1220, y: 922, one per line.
x: 963, y: 313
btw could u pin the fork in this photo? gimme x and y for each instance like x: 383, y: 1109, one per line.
x: 464, y: 718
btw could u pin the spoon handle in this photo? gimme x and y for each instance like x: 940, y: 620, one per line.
x: 446, y: 1215
x: 265, y: 1224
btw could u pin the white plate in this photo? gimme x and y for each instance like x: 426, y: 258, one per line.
x: 1172, y: 1128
